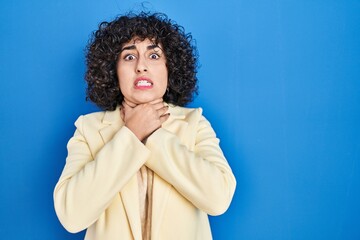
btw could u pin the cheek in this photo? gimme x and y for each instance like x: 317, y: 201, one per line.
x: 122, y: 78
x: 165, y: 75
x: 164, y: 82
x: 123, y: 86
x: 123, y: 71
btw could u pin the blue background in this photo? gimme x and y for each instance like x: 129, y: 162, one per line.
x: 279, y: 80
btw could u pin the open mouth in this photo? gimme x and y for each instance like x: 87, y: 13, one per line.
x: 143, y: 83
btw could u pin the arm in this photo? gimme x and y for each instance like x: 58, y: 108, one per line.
x: 88, y: 184
x: 203, y: 175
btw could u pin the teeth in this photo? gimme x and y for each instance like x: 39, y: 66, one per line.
x: 143, y: 83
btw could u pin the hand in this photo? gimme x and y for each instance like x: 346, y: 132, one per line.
x: 144, y: 119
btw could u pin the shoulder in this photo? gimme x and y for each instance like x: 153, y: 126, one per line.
x: 97, y: 120
x: 185, y: 112
x: 95, y: 117
x: 192, y: 116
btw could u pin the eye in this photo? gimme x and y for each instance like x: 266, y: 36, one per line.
x: 129, y: 57
x: 154, y: 56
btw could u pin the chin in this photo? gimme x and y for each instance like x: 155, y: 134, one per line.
x: 143, y: 100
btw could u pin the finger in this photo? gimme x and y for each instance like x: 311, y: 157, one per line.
x: 164, y: 117
x: 162, y: 110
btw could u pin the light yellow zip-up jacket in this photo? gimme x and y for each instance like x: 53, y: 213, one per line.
x: 98, y: 188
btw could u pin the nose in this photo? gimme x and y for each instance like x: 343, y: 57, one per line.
x: 141, y: 65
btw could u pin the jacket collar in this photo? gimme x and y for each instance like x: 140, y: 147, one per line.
x: 111, y: 117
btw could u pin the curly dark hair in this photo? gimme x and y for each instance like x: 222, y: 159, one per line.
x: 105, y: 45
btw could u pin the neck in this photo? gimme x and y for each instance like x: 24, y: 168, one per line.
x: 129, y: 103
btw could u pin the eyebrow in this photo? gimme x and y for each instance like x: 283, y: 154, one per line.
x: 131, y: 47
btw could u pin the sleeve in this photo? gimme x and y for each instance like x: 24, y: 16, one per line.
x: 202, y: 176
x: 89, y: 183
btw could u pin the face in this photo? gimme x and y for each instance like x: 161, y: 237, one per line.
x: 142, y: 71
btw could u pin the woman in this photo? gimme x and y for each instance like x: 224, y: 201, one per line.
x: 145, y: 167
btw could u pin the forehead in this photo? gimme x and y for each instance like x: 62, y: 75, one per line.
x: 136, y: 41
